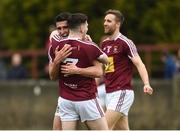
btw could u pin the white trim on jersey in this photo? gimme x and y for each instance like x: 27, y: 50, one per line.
x: 91, y: 43
x: 130, y: 44
x: 49, y: 55
x: 55, y: 32
x: 56, y: 37
x: 83, y: 42
x: 102, y: 58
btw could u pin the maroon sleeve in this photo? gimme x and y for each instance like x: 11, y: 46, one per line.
x: 94, y: 52
x: 51, y: 54
x: 54, y: 44
x: 130, y: 49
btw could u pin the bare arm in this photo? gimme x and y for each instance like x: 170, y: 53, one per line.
x: 95, y: 71
x: 143, y: 74
x: 53, y: 70
x: 59, y: 57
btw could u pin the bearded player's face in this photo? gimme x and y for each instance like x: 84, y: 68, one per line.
x: 110, y: 24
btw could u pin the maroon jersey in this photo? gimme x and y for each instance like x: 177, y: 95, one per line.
x: 118, y: 72
x: 77, y: 87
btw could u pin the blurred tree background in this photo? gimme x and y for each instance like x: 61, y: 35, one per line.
x: 24, y: 24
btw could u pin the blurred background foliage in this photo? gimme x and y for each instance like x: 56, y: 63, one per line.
x: 24, y: 24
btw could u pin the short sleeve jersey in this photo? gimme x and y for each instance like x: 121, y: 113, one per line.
x: 118, y: 72
x: 77, y: 87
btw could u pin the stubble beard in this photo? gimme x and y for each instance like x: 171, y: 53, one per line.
x: 108, y: 32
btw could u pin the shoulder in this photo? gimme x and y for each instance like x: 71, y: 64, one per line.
x: 105, y: 40
x: 57, y: 42
x: 55, y: 36
x: 125, y: 41
x: 56, y: 39
x: 88, y: 43
x: 91, y: 46
x: 53, y: 33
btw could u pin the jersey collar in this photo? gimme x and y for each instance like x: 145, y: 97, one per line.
x: 117, y: 36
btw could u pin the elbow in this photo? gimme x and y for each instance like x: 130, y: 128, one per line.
x: 103, y: 59
x: 106, y: 62
x: 52, y: 74
x: 52, y: 77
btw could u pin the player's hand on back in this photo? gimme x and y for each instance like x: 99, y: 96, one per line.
x: 69, y: 69
x: 63, y: 53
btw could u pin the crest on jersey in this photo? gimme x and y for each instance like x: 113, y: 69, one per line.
x: 115, y: 50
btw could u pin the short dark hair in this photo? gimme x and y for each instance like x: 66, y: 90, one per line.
x: 117, y: 13
x: 62, y: 16
x: 76, y: 20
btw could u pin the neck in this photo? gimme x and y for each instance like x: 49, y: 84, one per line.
x: 114, y: 35
x: 76, y: 35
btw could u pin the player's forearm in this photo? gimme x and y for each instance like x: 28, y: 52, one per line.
x: 143, y: 73
x: 53, y: 71
x: 93, y: 72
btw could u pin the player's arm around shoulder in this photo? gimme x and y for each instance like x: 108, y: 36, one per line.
x: 94, y: 71
x: 53, y: 70
x: 143, y: 74
x: 60, y: 55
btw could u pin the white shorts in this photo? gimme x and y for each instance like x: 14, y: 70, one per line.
x: 120, y: 101
x: 102, y: 94
x: 79, y: 110
x: 57, y: 110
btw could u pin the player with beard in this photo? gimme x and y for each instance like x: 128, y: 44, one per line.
x: 122, y: 55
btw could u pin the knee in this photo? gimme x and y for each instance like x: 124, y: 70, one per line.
x: 57, y: 124
x: 121, y: 126
x: 57, y: 127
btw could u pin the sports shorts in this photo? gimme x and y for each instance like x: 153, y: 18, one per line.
x: 102, y: 94
x: 120, y: 101
x: 79, y: 110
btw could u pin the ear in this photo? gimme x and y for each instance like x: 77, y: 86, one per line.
x: 118, y: 24
x: 81, y: 29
